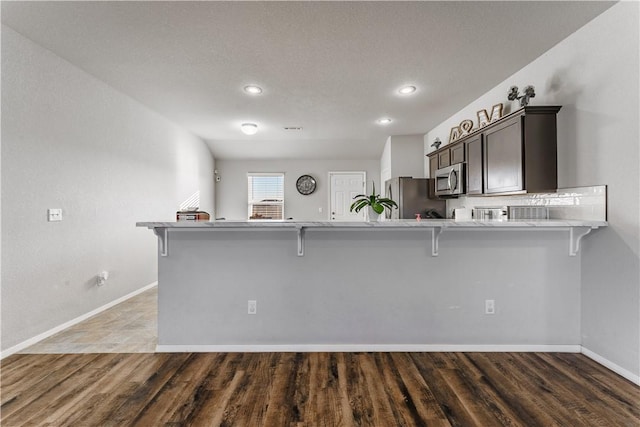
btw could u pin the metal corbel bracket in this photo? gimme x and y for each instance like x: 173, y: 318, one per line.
x: 435, y: 238
x: 163, y: 240
x: 300, y: 241
x: 575, y: 236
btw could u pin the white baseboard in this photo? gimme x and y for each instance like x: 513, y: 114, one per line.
x: 306, y: 348
x: 612, y: 366
x: 53, y: 331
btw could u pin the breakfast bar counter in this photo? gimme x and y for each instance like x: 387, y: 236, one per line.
x: 576, y: 228
x: 368, y: 286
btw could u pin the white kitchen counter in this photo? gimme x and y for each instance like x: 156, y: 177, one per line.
x: 577, y: 229
x: 425, y: 223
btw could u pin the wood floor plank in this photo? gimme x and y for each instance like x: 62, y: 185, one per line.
x: 432, y: 372
x: 382, y: 414
x: 314, y: 389
x: 177, y: 389
x: 91, y: 398
x: 212, y: 397
x: 528, y: 398
x: 338, y: 390
x: 255, y: 409
x: 580, y: 396
x: 13, y: 373
x: 127, y: 413
x: 24, y: 395
x: 415, y: 388
x: 360, y: 401
x: 50, y: 394
x: 282, y: 409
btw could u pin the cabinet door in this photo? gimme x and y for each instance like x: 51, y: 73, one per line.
x: 444, y: 159
x: 433, y: 166
x: 474, y: 165
x: 503, y: 157
x: 457, y: 154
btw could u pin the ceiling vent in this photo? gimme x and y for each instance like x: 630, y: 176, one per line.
x: 293, y: 128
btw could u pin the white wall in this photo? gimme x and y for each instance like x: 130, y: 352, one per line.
x: 231, y: 190
x: 593, y: 74
x: 385, y: 162
x: 402, y: 156
x: 70, y: 141
x: 406, y: 156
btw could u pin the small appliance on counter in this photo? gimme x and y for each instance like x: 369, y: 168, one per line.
x: 192, y: 215
x: 462, y: 214
x: 528, y: 212
x: 490, y: 213
x: 413, y: 196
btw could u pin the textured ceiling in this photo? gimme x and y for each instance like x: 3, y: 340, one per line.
x: 331, y: 67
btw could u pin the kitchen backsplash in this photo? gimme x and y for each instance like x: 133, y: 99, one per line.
x: 583, y: 203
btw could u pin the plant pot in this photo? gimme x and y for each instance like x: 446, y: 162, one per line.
x: 372, y: 216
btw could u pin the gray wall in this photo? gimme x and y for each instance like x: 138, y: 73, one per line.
x: 593, y: 74
x: 70, y: 141
x: 371, y: 287
x: 231, y: 190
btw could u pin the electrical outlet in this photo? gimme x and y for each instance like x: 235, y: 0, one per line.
x: 252, y: 307
x: 102, y: 278
x: 489, y: 306
x: 54, y: 214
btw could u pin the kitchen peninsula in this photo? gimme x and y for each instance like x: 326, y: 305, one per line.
x: 367, y: 285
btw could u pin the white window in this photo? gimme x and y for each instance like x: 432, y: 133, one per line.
x: 266, y: 196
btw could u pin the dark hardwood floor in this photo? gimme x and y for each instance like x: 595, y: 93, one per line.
x: 314, y: 389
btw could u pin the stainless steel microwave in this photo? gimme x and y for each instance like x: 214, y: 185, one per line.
x: 450, y: 181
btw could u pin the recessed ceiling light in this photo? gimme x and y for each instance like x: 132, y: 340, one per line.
x: 253, y: 89
x: 249, y: 128
x: 406, y: 90
x: 384, y: 121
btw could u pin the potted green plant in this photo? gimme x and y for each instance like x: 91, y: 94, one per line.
x: 374, y: 202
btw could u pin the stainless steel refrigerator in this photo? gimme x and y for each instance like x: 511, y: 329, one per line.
x: 413, y: 196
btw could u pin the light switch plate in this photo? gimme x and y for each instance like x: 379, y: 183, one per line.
x: 54, y: 214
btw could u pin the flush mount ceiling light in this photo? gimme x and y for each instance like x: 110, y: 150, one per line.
x: 249, y: 128
x: 384, y: 121
x: 406, y: 90
x: 253, y: 89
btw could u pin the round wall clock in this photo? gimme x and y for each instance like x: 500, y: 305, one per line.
x: 306, y: 185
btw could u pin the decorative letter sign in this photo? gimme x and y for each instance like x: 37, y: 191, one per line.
x: 455, y: 134
x: 466, y: 126
x: 484, y: 119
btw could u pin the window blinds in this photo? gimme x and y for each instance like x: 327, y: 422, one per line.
x: 266, y: 196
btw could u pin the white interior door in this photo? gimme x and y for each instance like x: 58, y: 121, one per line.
x: 343, y: 187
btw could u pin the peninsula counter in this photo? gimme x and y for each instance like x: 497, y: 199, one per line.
x: 368, y: 285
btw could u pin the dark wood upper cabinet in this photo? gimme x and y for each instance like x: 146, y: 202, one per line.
x: 433, y: 166
x: 474, y: 165
x: 457, y: 154
x: 444, y: 159
x: 503, y: 157
x: 520, y: 153
x: 515, y: 154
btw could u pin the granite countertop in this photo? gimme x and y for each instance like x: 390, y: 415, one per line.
x: 407, y: 223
